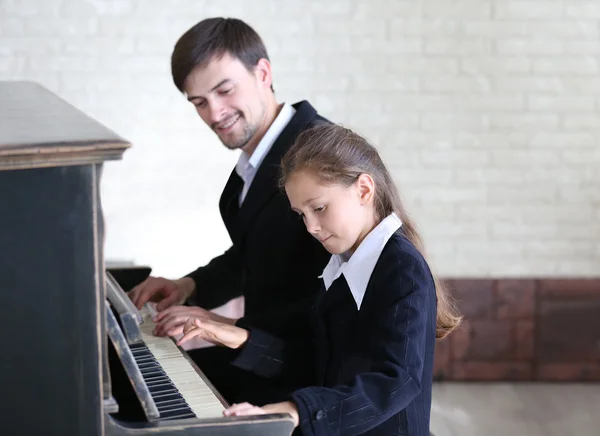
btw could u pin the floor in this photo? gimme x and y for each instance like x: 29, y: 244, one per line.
x: 524, y: 409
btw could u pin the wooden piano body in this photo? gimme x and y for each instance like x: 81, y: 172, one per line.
x: 55, y: 375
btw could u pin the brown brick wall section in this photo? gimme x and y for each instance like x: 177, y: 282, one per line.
x: 523, y: 330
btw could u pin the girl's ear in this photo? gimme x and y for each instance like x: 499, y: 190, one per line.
x: 366, y: 188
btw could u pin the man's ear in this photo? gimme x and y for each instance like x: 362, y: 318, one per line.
x: 262, y: 70
x: 365, y: 186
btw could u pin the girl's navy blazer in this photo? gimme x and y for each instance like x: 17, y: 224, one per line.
x: 370, y: 370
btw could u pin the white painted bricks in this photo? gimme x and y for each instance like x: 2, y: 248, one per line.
x: 487, y: 113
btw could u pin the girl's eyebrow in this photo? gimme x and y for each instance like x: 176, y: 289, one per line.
x: 311, y: 199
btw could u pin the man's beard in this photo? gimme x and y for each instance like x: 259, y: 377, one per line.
x: 245, y: 137
x: 248, y: 131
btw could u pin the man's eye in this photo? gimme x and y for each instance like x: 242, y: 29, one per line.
x: 201, y: 104
x: 225, y: 91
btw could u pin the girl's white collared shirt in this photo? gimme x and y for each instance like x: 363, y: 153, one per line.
x: 358, y: 268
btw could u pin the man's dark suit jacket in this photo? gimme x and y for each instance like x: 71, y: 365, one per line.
x: 274, y: 262
x: 374, y: 365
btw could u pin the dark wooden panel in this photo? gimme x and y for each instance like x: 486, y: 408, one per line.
x: 536, y: 329
x: 49, y: 250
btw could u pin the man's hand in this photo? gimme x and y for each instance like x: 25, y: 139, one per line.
x: 214, y: 332
x: 171, y: 320
x: 166, y: 292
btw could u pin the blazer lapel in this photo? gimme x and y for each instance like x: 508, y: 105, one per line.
x: 229, y: 204
x: 321, y: 337
x: 334, y: 296
x: 265, y: 183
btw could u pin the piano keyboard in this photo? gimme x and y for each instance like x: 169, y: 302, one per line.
x: 175, y: 385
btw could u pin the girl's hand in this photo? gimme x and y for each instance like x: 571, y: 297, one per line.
x: 172, y: 320
x: 248, y: 409
x: 214, y: 332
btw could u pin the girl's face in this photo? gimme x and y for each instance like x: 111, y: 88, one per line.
x: 338, y: 216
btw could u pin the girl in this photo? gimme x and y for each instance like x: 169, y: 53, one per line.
x: 380, y: 309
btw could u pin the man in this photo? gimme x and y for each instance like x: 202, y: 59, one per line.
x: 222, y: 67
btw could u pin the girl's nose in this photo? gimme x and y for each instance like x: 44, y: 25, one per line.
x: 313, y: 226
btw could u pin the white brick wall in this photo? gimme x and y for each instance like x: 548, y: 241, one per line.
x: 488, y: 113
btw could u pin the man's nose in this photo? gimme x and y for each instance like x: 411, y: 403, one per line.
x: 216, y: 112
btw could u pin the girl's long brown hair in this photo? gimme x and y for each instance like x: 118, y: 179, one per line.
x: 338, y: 155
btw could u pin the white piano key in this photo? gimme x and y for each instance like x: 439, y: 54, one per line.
x: 199, y: 396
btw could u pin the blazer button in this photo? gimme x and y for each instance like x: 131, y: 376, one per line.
x: 319, y: 415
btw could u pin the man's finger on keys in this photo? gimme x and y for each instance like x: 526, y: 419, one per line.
x: 164, y: 324
x: 172, y: 322
x: 135, y: 291
x: 162, y: 314
x: 175, y: 331
x: 167, y: 302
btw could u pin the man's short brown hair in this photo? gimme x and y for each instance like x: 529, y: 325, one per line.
x: 215, y: 37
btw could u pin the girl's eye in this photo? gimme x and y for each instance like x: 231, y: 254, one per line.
x: 319, y: 209
x: 201, y: 104
x: 226, y: 91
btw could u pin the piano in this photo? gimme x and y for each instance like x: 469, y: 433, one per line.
x: 78, y: 359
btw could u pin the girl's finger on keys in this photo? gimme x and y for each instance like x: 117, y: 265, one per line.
x: 243, y: 407
x: 187, y: 337
x: 189, y: 325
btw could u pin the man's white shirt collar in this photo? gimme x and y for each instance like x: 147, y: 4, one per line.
x: 247, y: 166
x: 358, y: 269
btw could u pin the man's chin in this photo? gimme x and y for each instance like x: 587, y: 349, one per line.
x: 234, y: 144
x: 229, y: 141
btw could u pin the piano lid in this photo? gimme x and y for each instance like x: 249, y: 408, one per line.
x: 39, y: 129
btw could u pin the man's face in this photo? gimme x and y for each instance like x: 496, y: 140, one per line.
x: 230, y: 99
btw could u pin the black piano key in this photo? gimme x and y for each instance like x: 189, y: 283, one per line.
x: 149, y: 366
x: 160, y: 396
x: 152, y: 381
x: 166, y: 396
x: 165, y: 403
x: 152, y: 372
x: 142, y: 357
x: 177, y: 414
x: 156, y: 379
x: 171, y: 407
x: 162, y: 388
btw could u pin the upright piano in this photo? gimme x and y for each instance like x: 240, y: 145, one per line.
x: 78, y: 359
